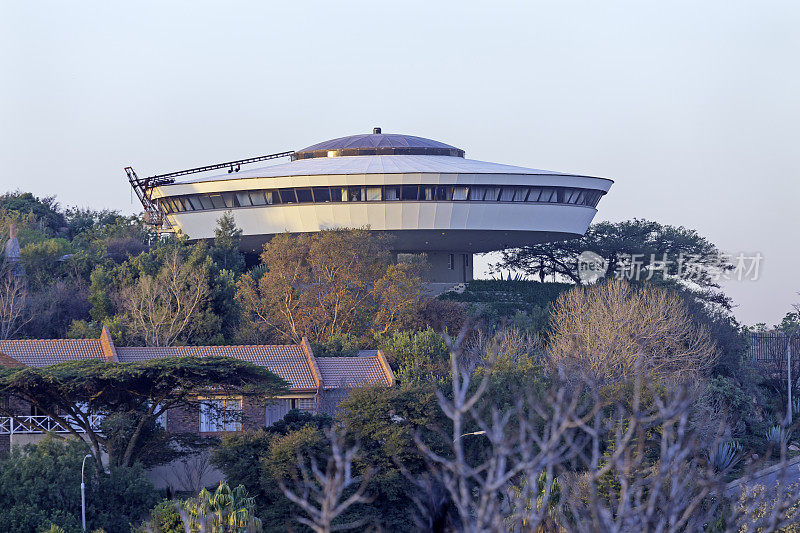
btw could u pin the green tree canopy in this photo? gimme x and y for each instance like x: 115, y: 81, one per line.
x: 71, y: 393
x: 637, y: 248
x: 40, y: 486
x: 227, y: 238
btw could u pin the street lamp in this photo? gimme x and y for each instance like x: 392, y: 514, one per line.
x: 468, y: 434
x: 83, y: 493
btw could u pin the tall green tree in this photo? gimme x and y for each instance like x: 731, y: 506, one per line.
x: 227, y: 239
x: 132, y: 395
x: 170, y: 294
x: 636, y: 249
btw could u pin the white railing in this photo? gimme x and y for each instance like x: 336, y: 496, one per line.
x: 40, y: 424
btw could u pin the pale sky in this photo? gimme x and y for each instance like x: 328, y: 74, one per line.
x: 692, y: 107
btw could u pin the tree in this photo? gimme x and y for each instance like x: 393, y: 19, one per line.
x: 14, y: 300
x: 227, y: 238
x: 40, y: 486
x: 333, y: 282
x: 324, y: 495
x: 163, y: 307
x: 635, y: 248
x: 73, y: 393
x: 418, y: 357
x: 614, y: 330
x: 581, y: 459
x: 256, y: 459
x: 44, y: 209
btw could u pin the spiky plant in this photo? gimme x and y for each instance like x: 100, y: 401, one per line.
x: 724, y: 455
x: 226, y: 511
x: 777, y: 435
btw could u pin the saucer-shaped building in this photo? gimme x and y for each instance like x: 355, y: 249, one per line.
x: 424, y: 192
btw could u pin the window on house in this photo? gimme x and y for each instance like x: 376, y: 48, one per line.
x: 520, y: 193
x: 229, y: 199
x: 507, y: 194
x: 460, y: 193
x: 216, y: 201
x: 220, y: 414
x: 373, y: 194
x: 194, y: 201
x: 277, y: 409
x: 392, y: 193
x: 354, y: 194
x: 257, y: 197
x: 338, y: 194
x: 322, y: 194
x: 307, y: 404
x: 548, y: 195
x: 178, y: 201
x: 444, y: 193
x: 205, y: 201
x: 304, y: 196
x: 409, y: 192
x: 451, y: 261
x: 243, y: 199
x: 287, y: 196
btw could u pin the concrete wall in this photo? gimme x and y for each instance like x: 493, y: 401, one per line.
x: 448, y: 267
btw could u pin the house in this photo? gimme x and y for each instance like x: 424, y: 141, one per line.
x: 316, y: 385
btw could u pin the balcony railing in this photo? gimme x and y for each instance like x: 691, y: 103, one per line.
x: 40, y: 424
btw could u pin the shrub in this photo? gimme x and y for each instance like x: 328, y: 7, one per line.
x: 40, y: 488
x: 418, y: 357
x: 164, y: 518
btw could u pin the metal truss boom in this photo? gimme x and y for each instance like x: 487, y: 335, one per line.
x: 142, y: 186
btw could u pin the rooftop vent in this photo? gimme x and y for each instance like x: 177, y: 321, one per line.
x: 376, y: 131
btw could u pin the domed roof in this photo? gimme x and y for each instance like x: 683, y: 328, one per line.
x: 377, y: 143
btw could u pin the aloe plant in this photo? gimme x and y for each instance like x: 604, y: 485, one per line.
x: 776, y: 435
x: 724, y: 455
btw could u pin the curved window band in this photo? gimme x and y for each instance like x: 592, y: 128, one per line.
x: 395, y: 150
x: 384, y: 193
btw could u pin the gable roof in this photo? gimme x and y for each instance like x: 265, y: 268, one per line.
x: 43, y: 352
x: 295, y: 363
x: 286, y: 361
x: 359, y: 371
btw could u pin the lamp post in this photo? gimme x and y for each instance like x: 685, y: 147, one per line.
x: 83, y: 492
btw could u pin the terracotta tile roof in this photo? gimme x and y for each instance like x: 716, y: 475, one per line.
x: 9, y: 361
x: 294, y: 363
x: 287, y: 361
x: 43, y: 352
x: 360, y: 371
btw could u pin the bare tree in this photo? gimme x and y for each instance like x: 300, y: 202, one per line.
x: 14, y: 300
x: 322, y: 494
x: 611, y: 329
x: 492, y: 493
x: 579, y: 460
x: 161, y: 308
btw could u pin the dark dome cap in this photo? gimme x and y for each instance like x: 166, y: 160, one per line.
x: 378, y: 144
